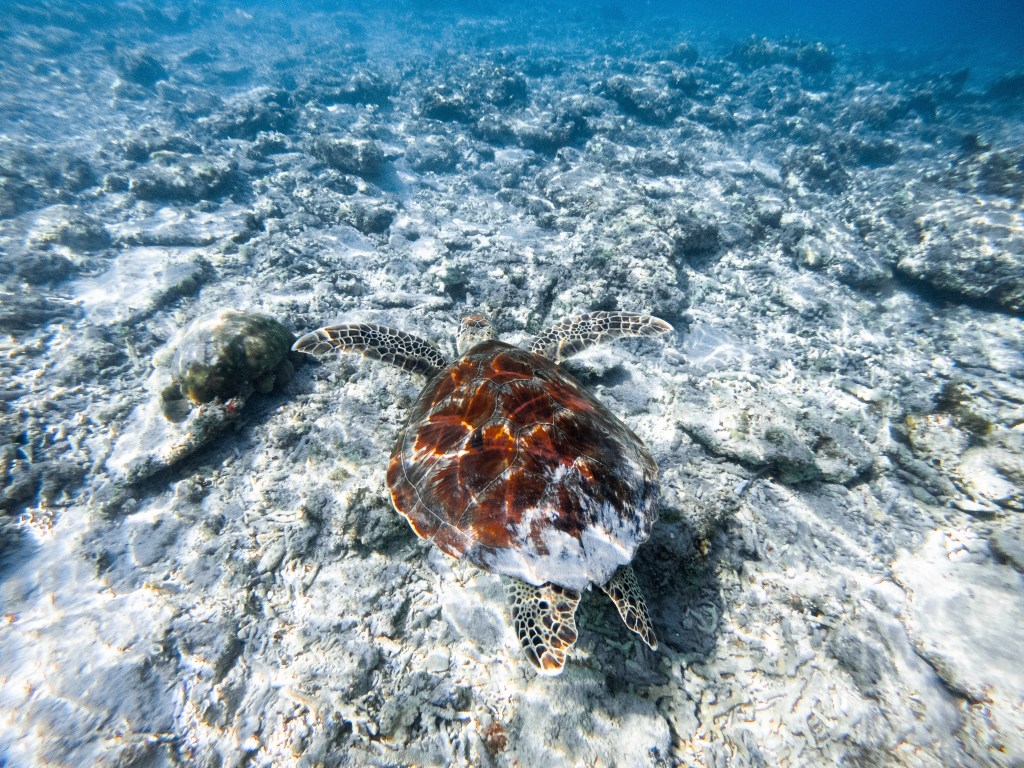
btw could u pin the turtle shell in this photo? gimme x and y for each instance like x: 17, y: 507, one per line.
x: 509, y: 462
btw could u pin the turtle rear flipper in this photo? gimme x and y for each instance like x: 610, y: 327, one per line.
x: 625, y: 592
x: 569, y: 337
x: 376, y: 342
x: 544, y: 618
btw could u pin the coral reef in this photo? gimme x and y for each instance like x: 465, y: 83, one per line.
x: 833, y: 229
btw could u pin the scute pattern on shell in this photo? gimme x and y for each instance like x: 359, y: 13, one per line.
x: 507, y: 461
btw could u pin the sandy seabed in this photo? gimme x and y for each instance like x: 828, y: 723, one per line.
x: 836, y: 235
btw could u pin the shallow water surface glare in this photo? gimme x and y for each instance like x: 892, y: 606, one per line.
x: 199, y: 559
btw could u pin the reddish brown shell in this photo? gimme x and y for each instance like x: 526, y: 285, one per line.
x: 508, y: 462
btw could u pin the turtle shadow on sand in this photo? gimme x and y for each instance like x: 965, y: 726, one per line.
x: 614, y: 680
x: 685, y: 594
x: 677, y: 571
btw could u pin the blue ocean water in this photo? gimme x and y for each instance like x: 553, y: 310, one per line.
x: 956, y: 24
x: 204, y: 559
x: 951, y: 24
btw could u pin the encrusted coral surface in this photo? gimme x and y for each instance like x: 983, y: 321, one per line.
x: 833, y: 231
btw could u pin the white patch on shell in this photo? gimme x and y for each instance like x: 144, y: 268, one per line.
x: 565, y: 560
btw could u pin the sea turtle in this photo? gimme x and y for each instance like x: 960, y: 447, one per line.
x: 508, y: 462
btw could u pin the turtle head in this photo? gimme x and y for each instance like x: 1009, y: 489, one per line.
x: 472, y: 330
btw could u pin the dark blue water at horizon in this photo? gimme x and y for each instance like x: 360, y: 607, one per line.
x: 994, y: 24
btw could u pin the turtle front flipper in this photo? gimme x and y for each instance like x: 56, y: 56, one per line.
x: 544, y: 618
x: 625, y: 592
x: 377, y: 342
x: 568, y: 337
